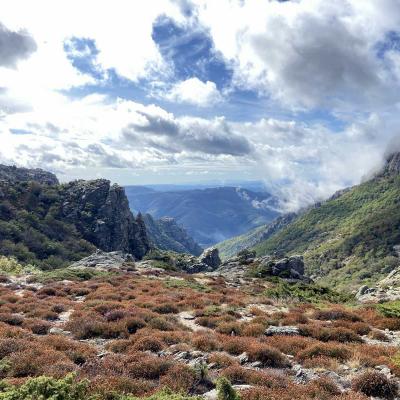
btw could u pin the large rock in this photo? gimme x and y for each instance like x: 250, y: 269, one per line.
x: 14, y: 174
x: 103, y: 260
x: 100, y: 211
x: 289, y: 267
x: 211, y: 258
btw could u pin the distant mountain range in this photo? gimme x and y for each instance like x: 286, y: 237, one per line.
x: 209, y: 215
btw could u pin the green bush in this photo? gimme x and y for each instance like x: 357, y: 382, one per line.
x: 310, y: 293
x: 225, y: 390
x: 390, y: 309
x: 45, y: 388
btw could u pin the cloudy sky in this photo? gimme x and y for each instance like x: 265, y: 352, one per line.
x: 303, y: 94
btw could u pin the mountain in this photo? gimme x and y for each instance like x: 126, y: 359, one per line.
x: 166, y: 234
x: 209, y: 215
x: 50, y: 225
x: 231, y: 247
x: 350, y: 238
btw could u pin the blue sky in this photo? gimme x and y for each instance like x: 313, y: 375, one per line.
x: 301, y: 94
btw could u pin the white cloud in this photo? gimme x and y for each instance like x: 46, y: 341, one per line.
x: 308, y: 54
x: 194, y: 91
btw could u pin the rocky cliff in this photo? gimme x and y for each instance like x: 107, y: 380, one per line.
x: 166, y: 234
x: 392, y: 166
x: 100, y: 211
x: 11, y: 173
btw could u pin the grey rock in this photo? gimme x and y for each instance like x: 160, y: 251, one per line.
x: 211, y: 258
x: 100, y: 212
x: 103, y: 260
x: 14, y: 174
x: 243, y: 358
x: 282, y: 331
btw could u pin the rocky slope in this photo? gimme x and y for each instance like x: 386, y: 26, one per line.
x: 166, y: 234
x: 349, y: 239
x: 232, y: 246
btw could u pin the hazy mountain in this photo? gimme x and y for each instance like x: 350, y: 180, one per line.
x: 209, y: 215
x: 166, y: 234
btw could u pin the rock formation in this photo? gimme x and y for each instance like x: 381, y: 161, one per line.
x: 100, y: 212
x: 14, y: 174
x: 102, y: 260
x: 166, y: 234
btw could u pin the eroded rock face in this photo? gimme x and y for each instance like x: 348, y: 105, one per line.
x: 393, y: 164
x: 14, y: 174
x: 100, y: 211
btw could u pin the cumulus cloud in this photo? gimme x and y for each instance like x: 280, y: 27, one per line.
x: 14, y: 46
x: 194, y: 91
x: 309, y: 54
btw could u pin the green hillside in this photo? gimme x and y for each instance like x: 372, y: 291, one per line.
x: 347, y: 240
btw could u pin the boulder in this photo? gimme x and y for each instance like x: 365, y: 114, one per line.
x: 210, y: 257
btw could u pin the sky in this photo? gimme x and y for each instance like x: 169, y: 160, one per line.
x: 302, y: 94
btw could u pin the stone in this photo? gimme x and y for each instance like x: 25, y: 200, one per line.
x: 211, y: 258
x: 282, y: 331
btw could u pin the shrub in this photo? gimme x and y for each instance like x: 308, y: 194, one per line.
x: 148, y: 343
x: 11, y: 319
x: 267, y: 355
x: 205, y: 342
x: 37, y: 326
x: 253, y: 329
x: 180, y: 378
x: 166, y: 308
x: 336, y: 314
x: 221, y: 360
x: 225, y: 390
x: 375, y: 384
x: 43, y: 387
x: 339, y: 352
x: 378, y: 335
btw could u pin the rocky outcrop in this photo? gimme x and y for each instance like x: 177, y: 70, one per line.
x: 388, y: 289
x: 100, y: 212
x: 246, y: 263
x: 211, y: 258
x: 392, y: 166
x: 14, y: 174
x: 102, y: 260
x: 166, y: 234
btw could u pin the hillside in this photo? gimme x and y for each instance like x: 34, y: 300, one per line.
x: 209, y: 215
x: 349, y: 239
x: 166, y: 234
x: 231, y: 247
x: 50, y: 225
